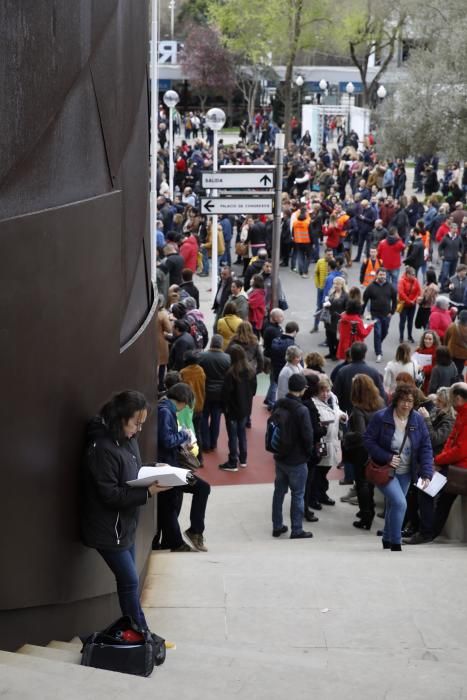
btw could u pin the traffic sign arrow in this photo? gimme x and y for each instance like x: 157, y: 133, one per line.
x: 266, y: 180
x: 236, y: 205
x: 238, y: 180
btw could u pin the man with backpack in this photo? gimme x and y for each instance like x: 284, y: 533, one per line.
x: 289, y: 435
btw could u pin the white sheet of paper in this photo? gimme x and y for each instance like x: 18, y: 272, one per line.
x: 436, y: 484
x: 422, y: 360
x: 165, y: 474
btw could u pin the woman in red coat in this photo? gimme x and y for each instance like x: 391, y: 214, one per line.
x: 441, y: 317
x: 408, y: 291
x: 257, y: 304
x: 189, y: 252
x: 351, y: 329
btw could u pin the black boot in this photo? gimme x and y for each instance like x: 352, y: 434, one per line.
x: 386, y: 544
x: 396, y: 548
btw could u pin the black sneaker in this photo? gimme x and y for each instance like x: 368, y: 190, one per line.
x: 418, y: 538
x: 301, y: 535
x: 280, y: 531
x: 227, y: 467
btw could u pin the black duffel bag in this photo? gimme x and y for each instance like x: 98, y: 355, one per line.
x: 124, y: 647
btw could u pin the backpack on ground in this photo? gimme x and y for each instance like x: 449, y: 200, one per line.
x: 124, y: 647
x: 280, y: 435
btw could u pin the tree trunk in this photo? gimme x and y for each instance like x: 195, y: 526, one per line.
x: 295, y: 17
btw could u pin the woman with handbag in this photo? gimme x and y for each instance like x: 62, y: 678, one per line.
x: 399, y: 447
x: 110, y: 507
x: 330, y: 416
x: 366, y: 401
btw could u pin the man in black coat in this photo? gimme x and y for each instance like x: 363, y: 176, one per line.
x: 173, y: 264
x: 343, y: 385
x: 272, y: 330
x: 215, y: 363
x: 182, y: 342
x: 222, y: 293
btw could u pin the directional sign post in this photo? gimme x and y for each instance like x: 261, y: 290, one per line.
x: 237, y: 205
x: 238, y: 180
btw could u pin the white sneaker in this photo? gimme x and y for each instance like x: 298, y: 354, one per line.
x: 379, y: 358
x: 244, y: 465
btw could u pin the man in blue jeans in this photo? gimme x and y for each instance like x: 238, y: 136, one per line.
x: 294, y: 450
x: 382, y: 297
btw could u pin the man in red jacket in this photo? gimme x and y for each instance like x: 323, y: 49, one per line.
x: 454, y: 452
x: 189, y: 251
x: 408, y: 291
x: 389, y: 252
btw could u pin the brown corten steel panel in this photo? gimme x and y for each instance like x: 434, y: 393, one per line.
x: 74, y: 274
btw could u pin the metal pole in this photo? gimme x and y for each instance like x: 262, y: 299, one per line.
x: 277, y: 223
x: 171, y: 153
x: 214, y: 266
x: 172, y: 19
x: 154, y: 132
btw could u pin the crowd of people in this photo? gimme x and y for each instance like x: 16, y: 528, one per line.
x: 340, y: 206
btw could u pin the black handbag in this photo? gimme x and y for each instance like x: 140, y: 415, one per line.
x: 125, y: 648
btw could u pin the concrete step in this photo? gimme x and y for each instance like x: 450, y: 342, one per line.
x: 28, y: 677
x: 67, y: 646
x: 70, y: 655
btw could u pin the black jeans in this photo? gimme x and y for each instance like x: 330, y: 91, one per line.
x: 319, y: 483
x: 169, y: 504
x: 365, y: 494
x: 407, y: 314
x: 331, y: 337
x: 122, y: 565
x: 420, y: 511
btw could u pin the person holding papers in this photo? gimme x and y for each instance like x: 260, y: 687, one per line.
x: 397, y: 435
x: 454, y: 452
x: 110, y: 507
x: 439, y: 422
x: 169, y: 441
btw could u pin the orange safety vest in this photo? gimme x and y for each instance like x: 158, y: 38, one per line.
x: 301, y: 233
x: 426, y: 239
x: 341, y: 222
x: 370, y: 271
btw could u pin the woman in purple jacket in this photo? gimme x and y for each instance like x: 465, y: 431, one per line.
x: 383, y: 439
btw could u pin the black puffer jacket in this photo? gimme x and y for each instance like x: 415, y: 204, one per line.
x: 109, y: 508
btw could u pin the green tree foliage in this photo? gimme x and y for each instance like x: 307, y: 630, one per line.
x: 427, y: 113
x: 260, y: 33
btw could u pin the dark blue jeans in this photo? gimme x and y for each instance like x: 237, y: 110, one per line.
x: 236, y: 430
x: 293, y: 477
x: 407, y: 314
x: 380, y: 331
x: 122, y: 564
x: 319, y: 306
x: 210, y: 424
x: 303, y: 257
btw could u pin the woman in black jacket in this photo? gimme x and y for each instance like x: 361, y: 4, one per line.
x: 319, y: 431
x: 366, y: 401
x: 109, y: 506
x: 237, y: 393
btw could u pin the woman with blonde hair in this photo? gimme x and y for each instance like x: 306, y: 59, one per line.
x: 366, y: 400
x: 334, y: 305
x: 245, y: 337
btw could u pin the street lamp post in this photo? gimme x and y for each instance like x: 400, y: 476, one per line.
x: 381, y: 92
x: 171, y: 100
x: 350, y: 89
x: 215, y: 120
x: 299, y: 82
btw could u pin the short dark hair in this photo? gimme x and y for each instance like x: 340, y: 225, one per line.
x: 459, y: 389
x: 291, y: 327
x: 332, y: 264
x: 181, y: 326
x: 190, y: 357
x: 172, y: 377
x: 181, y: 392
x: 179, y: 310
x: 237, y: 282
x: 120, y: 409
x: 443, y: 356
x: 230, y: 308
x: 358, y: 352
x: 187, y: 274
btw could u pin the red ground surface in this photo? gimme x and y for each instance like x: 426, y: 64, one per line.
x: 260, y: 469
